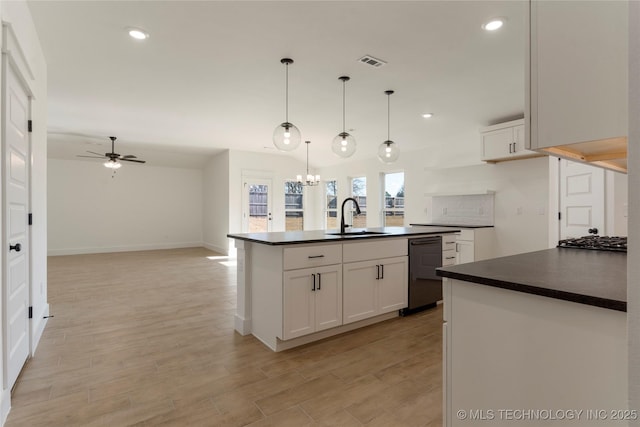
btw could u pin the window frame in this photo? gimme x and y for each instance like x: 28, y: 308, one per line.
x: 383, y: 199
x: 300, y: 210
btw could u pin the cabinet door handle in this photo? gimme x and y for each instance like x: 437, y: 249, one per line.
x: 315, y: 256
x: 382, y: 270
x: 314, y: 282
x: 377, y: 272
x: 450, y: 257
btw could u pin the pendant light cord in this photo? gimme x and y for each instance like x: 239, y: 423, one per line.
x: 388, y: 117
x: 286, y: 91
x: 344, y: 82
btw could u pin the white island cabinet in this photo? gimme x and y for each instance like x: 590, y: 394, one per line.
x: 373, y: 284
x: 298, y: 287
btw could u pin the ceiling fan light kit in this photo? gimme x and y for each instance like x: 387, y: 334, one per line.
x: 388, y: 151
x: 113, y: 158
x: 286, y: 136
x: 344, y: 145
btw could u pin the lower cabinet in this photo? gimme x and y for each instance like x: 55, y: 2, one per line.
x: 374, y: 287
x: 312, y: 300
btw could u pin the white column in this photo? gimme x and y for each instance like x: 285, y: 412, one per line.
x: 243, y: 302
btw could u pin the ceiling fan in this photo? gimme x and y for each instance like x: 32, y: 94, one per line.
x: 114, y: 158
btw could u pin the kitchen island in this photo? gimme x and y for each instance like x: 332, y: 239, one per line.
x: 299, y: 287
x: 542, y: 332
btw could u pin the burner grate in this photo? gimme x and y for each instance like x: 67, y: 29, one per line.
x: 599, y: 243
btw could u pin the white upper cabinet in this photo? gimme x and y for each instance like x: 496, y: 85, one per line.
x: 504, y: 141
x: 578, y: 67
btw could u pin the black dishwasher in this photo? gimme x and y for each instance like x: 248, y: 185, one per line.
x: 425, y: 287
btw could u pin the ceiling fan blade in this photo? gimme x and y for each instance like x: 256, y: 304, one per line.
x: 129, y: 156
x: 93, y: 152
x: 132, y: 160
x: 91, y: 157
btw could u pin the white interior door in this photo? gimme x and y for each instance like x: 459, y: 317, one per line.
x: 16, y: 239
x: 581, y: 199
x: 256, y: 205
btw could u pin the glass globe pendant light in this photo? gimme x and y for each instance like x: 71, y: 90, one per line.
x: 344, y: 145
x: 388, y: 151
x: 286, y: 136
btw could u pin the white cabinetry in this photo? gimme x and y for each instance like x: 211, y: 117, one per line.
x: 311, y: 289
x: 448, y: 249
x: 312, y: 300
x: 508, y: 349
x: 504, y: 141
x: 577, y: 85
x: 474, y: 244
x: 376, y: 285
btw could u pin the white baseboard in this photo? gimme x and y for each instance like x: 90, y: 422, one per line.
x: 38, y: 328
x: 131, y: 248
x: 243, y: 326
x: 5, y: 405
x: 215, y: 248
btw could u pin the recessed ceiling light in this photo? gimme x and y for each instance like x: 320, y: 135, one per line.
x: 138, y: 34
x: 494, y: 24
x: 427, y: 115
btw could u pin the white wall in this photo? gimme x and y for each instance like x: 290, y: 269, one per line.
x: 518, y: 184
x: 141, y: 207
x: 216, y: 203
x: 16, y: 13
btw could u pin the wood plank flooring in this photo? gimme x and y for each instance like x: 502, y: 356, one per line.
x: 147, y: 339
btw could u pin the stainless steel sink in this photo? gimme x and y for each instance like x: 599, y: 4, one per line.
x: 357, y: 233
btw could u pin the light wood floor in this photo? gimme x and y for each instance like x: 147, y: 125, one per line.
x: 147, y: 339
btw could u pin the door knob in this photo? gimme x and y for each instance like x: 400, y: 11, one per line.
x: 17, y: 247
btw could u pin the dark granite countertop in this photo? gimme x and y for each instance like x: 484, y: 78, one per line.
x: 597, y: 278
x: 452, y: 225
x: 321, y: 236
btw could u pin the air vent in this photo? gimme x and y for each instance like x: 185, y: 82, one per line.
x: 370, y: 60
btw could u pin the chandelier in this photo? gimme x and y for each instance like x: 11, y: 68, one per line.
x: 310, y: 180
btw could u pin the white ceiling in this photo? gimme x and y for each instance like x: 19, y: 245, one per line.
x: 209, y: 77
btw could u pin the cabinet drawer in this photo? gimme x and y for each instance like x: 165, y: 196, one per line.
x: 449, y: 242
x: 375, y: 249
x: 449, y: 257
x: 312, y: 256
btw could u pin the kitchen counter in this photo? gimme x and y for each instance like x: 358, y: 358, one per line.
x: 544, y: 329
x: 322, y: 236
x: 597, y: 278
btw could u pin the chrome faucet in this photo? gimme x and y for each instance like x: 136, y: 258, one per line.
x: 342, y: 225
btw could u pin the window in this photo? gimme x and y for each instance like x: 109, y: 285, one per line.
x: 293, y: 207
x: 393, y: 207
x: 331, y: 205
x: 359, y: 192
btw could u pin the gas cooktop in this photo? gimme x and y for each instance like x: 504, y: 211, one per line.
x: 598, y: 243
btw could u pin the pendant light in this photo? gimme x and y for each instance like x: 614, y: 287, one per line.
x: 388, y: 151
x: 310, y: 180
x: 286, y: 136
x: 344, y: 145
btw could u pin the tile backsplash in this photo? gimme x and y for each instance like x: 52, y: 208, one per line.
x: 476, y: 209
